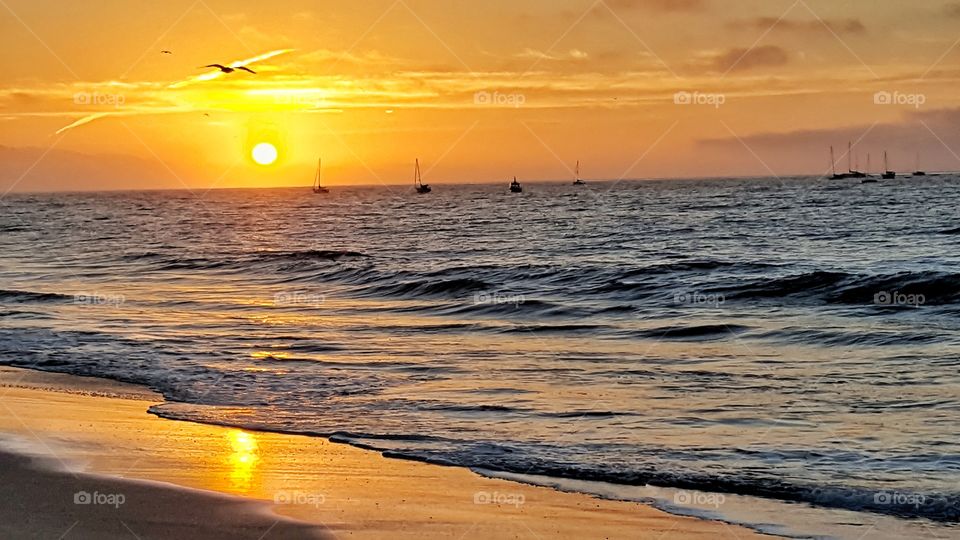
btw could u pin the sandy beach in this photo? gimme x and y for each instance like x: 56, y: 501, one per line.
x: 102, y: 467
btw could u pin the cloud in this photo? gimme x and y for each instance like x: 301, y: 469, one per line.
x: 739, y: 59
x: 934, y: 134
x: 763, y: 24
x: 952, y: 10
x: 574, y: 55
x: 658, y: 5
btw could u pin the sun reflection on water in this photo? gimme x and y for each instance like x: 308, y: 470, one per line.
x: 243, y: 459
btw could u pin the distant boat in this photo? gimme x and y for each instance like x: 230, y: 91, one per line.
x: 833, y: 168
x: 887, y: 174
x: 851, y: 171
x: 867, y: 178
x: 418, y: 182
x: 317, y: 188
x: 577, y: 181
x: 919, y: 171
x: 515, y: 186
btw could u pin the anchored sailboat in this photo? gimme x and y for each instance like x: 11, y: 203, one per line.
x: 919, y: 171
x: 887, y: 173
x: 855, y: 172
x: 418, y: 182
x: 577, y: 181
x: 317, y: 188
x: 834, y: 175
x: 867, y: 178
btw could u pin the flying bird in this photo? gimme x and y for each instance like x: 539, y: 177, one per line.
x: 230, y: 69
x: 232, y: 66
x: 166, y: 52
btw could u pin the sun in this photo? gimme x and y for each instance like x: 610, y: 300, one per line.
x: 264, y: 153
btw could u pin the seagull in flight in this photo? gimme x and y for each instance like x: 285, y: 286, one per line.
x: 166, y: 52
x: 221, y: 70
x: 230, y: 69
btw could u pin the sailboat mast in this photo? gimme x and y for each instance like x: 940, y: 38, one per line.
x: 578, y: 170
x: 833, y: 163
x: 849, y: 156
x: 885, y: 166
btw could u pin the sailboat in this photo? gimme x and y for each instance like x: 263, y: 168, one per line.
x: 887, y: 173
x: 515, y: 186
x: 317, y: 188
x: 833, y: 168
x: 855, y: 171
x: 868, y: 179
x: 919, y: 171
x: 418, y: 182
x: 577, y: 181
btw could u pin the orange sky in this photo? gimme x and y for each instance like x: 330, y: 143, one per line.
x: 478, y: 91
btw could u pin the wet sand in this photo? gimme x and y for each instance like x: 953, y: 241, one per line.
x: 96, y: 436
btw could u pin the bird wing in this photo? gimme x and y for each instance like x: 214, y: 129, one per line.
x: 247, y: 69
x: 218, y: 66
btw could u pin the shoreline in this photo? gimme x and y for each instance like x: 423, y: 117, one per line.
x: 101, y: 427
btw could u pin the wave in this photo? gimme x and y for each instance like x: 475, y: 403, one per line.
x: 941, y: 507
x: 10, y: 295
x: 698, y: 332
x: 846, y: 288
x: 552, y: 328
x: 263, y: 259
x: 308, y: 255
x: 831, y: 338
x: 448, y: 287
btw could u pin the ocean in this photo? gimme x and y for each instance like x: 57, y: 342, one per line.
x: 783, y: 353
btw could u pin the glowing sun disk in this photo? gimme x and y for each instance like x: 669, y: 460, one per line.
x: 264, y: 153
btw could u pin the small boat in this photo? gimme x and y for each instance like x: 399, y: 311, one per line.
x: 867, y: 177
x: 418, y: 182
x: 919, y: 171
x: 887, y: 173
x: 855, y: 172
x: 577, y: 181
x: 833, y: 168
x: 852, y: 171
x: 515, y: 186
x: 317, y: 188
